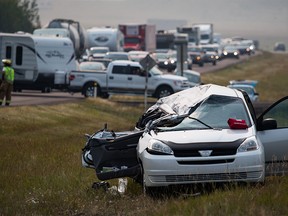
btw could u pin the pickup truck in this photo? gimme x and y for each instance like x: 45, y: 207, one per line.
x: 126, y: 77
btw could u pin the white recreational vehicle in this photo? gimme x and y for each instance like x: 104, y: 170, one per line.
x: 38, y: 62
x: 106, y: 37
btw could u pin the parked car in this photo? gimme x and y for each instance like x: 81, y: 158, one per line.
x: 243, y: 48
x: 249, y: 89
x: 209, y: 57
x: 103, y: 60
x: 137, y: 55
x: 164, y: 61
x: 94, y: 53
x: 279, y: 46
x: 188, y: 61
x: 117, y: 56
x: 193, y: 77
x: 230, y: 52
x: 91, y: 66
x: 246, y: 82
x: 207, y: 133
x: 196, y: 54
x: 98, y: 52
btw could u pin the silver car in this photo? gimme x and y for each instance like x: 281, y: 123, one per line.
x: 207, y: 133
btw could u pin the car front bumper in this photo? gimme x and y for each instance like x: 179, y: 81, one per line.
x: 165, y: 170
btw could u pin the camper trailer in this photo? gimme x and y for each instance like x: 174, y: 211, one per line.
x: 106, y: 37
x: 40, y: 63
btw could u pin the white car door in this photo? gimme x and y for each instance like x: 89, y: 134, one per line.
x: 272, y: 130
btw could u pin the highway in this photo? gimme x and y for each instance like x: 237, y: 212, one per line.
x: 27, y: 97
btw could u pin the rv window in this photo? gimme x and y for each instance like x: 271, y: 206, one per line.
x: 19, y: 55
x: 8, y: 52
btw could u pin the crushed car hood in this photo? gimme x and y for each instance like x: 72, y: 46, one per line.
x: 205, y: 136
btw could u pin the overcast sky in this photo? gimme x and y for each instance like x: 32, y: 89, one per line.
x: 267, y: 18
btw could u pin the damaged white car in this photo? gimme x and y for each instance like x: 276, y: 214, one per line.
x: 207, y: 133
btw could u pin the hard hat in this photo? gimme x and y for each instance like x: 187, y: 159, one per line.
x: 6, y: 61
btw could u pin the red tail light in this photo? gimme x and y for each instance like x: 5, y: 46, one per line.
x: 237, y: 123
x: 71, y: 77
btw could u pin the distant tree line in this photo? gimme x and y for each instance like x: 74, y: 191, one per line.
x: 19, y: 15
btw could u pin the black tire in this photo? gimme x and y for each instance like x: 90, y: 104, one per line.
x: 46, y: 90
x: 163, y: 91
x: 214, y: 63
x: 89, y: 89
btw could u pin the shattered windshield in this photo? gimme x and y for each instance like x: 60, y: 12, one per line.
x: 213, y: 112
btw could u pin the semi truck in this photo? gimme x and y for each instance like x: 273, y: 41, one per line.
x: 194, y: 36
x: 206, y: 32
x: 165, y: 40
x: 76, y: 32
x: 139, y: 37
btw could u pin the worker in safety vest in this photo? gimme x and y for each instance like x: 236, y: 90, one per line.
x: 6, y: 86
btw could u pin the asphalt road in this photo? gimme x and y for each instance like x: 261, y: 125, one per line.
x: 26, y: 98
x: 30, y: 98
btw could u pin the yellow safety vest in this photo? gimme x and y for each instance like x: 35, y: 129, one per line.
x: 9, y: 74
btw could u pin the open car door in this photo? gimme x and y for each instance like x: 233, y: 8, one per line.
x: 112, y: 154
x: 272, y: 130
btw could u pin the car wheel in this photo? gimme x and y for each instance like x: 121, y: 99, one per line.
x: 89, y: 90
x: 164, y: 91
x: 214, y: 63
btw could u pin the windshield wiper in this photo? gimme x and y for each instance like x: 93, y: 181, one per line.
x: 201, y: 122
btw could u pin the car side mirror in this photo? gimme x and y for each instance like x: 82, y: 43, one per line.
x: 268, y: 124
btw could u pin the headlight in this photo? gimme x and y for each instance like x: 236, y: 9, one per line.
x: 157, y: 147
x: 178, y: 83
x: 166, y: 62
x: 248, y: 145
x: 225, y: 53
x: 172, y: 61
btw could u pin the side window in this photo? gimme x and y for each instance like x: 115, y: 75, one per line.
x: 136, y: 71
x: 8, y: 52
x: 121, y: 69
x: 19, y: 55
x: 279, y: 113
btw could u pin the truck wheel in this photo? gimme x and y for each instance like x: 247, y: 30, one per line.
x: 89, y: 90
x: 46, y: 90
x: 164, y: 91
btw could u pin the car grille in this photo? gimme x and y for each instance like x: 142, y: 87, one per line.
x: 192, y: 149
x: 205, y: 162
x: 208, y: 177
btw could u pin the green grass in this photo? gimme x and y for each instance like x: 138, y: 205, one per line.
x: 41, y: 171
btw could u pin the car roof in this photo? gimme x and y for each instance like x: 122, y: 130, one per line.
x: 181, y: 102
x: 240, y: 85
x: 125, y: 62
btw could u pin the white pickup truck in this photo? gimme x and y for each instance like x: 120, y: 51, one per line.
x: 126, y: 77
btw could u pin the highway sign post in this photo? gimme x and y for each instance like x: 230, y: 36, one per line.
x: 147, y: 63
